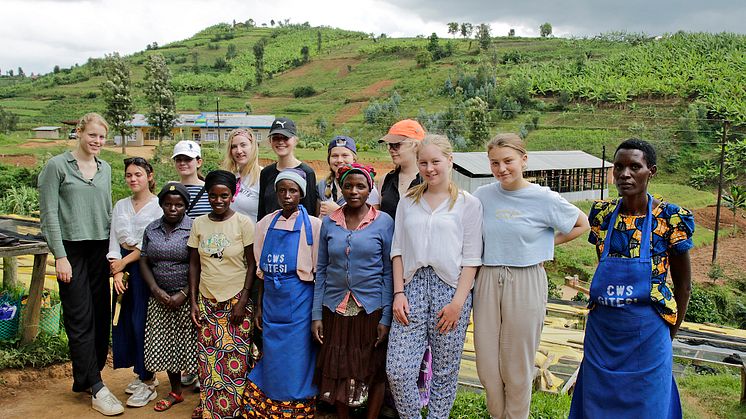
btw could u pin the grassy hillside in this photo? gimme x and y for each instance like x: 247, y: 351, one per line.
x: 559, y: 93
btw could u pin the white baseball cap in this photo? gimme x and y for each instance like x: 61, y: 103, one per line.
x: 187, y: 148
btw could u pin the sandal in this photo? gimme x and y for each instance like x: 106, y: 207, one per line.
x: 197, y: 412
x: 165, y: 404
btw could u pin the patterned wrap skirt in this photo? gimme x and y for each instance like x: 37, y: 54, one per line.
x: 225, y: 355
x: 349, y: 363
x: 170, y: 338
x: 259, y: 405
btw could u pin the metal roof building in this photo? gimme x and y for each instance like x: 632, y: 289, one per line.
x: 575, y: 174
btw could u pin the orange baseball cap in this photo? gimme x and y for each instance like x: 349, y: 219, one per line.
x: 402, y: 130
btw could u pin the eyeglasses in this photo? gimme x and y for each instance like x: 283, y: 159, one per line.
x: 395, y: 146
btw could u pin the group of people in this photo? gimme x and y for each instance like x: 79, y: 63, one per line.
x: 279, y: 291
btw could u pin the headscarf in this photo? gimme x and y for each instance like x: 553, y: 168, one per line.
x: 221, y: 177
x: 346, y: 169
x: 296, y: 175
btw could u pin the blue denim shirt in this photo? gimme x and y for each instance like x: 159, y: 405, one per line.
x: 365, y: 269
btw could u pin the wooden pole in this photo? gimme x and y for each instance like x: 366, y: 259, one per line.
x: 720, y: 192
x: 33, y: 305
x: 603, y: 170
x: 10, y: 272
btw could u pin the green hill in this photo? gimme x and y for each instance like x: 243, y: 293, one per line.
x: 559, y: 93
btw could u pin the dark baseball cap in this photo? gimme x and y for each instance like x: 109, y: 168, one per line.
x: 284, y: 126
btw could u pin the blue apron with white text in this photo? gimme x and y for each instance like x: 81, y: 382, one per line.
x: 285, y: 371
x: 627, y: 355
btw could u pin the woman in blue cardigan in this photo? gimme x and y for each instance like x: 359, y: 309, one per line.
x: 352, y: 297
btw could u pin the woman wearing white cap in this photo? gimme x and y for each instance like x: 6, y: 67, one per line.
x: 283, y: 139
x: 286, y: 247
x: 188, y: 161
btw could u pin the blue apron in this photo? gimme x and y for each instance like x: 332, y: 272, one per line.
x: 627, y: 357
x: 285, y: 371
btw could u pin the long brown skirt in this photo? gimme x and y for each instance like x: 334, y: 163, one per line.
x: 348, y: 363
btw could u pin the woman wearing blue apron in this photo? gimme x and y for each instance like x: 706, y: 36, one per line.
x: 627, y: 364
x: 281, y: 383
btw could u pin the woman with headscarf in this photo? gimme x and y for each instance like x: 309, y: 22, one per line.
x: 170, y: 336
x: 221, y: 272
x: 287, y: 240
x: 627, y: 367
x: 352, y: 297
x: 128, y: 221
x: 342, y: 150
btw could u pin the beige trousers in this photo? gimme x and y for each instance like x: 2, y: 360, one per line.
x: 509, y: 308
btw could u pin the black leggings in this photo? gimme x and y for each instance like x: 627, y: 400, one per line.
x: 86, y: 310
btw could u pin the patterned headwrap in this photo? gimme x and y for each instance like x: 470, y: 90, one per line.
x: 221, y: 177
x: 368, y: 171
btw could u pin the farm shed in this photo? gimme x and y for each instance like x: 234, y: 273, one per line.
x: 200, y: 127
x: 576, y: 175
x: 52, y: 133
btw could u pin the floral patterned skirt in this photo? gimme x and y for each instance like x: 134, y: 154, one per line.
x: 258, y: 405
x: 225, y: 355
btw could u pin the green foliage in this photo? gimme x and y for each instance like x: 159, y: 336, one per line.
x: 259, y: 61
x: 44, y: 351
x: 545, y: 30
x: 21, y: 200
x: 580, y: 296
x: 735, y: 200
x: 8, y: 121
x: 118, y: 96
x: 702, y: 307
x: 304, y: 91
x: 717, y: 394
x: 484, y: 35
x: 231, y: 53
x: 384, y: 113
x: 470, y: 405
x: 423, y: 59
x: 161, y: 105
x: 477, y: 122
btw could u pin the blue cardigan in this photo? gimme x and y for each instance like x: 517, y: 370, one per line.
x: 366, y: 270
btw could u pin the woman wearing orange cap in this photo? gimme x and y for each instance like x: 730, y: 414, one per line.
x: 402, y: 140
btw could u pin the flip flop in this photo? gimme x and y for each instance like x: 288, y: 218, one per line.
x: 197, y: 412
x: 165, y: 404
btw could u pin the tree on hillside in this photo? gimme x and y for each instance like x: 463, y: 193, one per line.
x: 259, y: 61
x: 231, y: 53
x: 545, y: 30
x: 21, y: 73
x: 56, y: 69
x: 477, y: 122
x: 250, y: 23
x: 318, y: 41
x: 118, y: 97
x: 511, y: 33
x: 8, y: 121
x: 453, y: 28
x: 272, y: 22
x: 304, y: 53
x: 162, y: 106
x: 248, y: 108
x: 483, y: 35
x: 734, y: 201
x: 466, y: 30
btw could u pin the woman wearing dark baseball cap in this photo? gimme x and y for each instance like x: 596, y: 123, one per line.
x: 283, y: 139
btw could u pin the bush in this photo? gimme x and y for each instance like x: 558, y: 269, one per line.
x: 304, y: 91
x: 423, y: 59
x: 45, y: 350
x: 20, y: 200
x: 702, y: 307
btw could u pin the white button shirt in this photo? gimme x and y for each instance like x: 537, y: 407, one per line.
x: 128, y: 226
x: 445, y: 238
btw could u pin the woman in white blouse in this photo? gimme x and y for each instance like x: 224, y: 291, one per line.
x: 129, y: 218
x: 436, y: 251
x: 242, y: 159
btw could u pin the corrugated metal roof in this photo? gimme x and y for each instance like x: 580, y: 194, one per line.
x: 45, y: 129
x: 207, y: 120
x: 477, y: 164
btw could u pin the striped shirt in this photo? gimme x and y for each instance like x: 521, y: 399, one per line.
x: 200, y: 208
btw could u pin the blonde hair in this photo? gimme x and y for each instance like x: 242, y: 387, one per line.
x: 445, y: 147
x: 252, y: 169
x: 91, y: 118
x: 508, y: 140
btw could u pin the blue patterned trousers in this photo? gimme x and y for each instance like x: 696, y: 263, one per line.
x: 426, y: 294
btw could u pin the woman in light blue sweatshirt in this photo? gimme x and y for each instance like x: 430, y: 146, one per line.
x: 352, y: 297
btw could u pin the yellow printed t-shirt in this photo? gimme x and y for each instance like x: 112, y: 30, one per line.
x: 221, y: 254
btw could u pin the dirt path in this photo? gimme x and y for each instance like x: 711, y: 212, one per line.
x: 44, y: 395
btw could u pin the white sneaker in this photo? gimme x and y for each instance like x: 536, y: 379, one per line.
x: 106, y: 403
x: 142, y: 396
x: 188, y: 379
x: 136, y: 383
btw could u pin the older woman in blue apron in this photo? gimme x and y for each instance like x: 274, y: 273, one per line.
x: 627, y: 365
x: 281, y: 383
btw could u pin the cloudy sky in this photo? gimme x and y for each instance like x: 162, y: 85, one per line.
x: 39, y: 34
